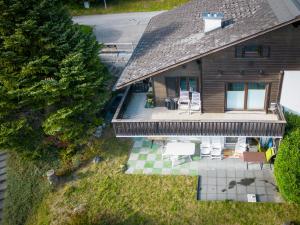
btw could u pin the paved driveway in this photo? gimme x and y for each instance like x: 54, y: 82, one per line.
x: 117, y: 28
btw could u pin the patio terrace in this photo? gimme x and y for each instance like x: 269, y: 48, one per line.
x: 219, y: 179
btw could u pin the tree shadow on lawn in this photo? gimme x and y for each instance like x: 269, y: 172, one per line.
x: 107, y: 217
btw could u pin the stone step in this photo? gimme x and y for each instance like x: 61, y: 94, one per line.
x: 2, y: 195
x: 1, y: 204
x: 3, y: 186
x: 2, y: 153
x: 3, y: 177
x: 3, y: 164
x: 3, y: 159
x: 2, y: 171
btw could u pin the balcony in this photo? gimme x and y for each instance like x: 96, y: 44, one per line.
x: 132, y: 119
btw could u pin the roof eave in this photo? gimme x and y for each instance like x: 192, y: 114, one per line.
x: 296, y: 19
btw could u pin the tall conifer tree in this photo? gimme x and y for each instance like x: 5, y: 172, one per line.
x: 51, y: 80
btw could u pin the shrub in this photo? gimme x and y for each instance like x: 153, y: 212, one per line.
x: 293, y: 122
x: 287, y: 167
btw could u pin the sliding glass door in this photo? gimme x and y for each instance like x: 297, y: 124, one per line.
x: 235, y: 96
x: 246, y: 96
x: 256, y: 96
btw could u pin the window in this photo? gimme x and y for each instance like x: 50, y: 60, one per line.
x: 252, y: 51
x: 175, y: 84
x: 256, y: 96
x: 235, y: 96
x: 231, y: 140
x: 188, y: 84
x: 183, y: 84
x: 246, y: 96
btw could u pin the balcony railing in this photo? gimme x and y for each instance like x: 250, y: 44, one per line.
x: 131, y: 127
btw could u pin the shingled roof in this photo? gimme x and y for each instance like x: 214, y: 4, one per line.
x: 177, y: 36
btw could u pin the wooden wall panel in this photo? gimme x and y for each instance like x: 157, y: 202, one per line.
x: 188, y: 70
x: 222, y: 67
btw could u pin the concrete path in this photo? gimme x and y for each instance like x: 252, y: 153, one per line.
x: 123, y: 30
x: 117, y: 28
x: 3, y: 157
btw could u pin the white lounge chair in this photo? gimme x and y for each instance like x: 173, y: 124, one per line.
x: 195, y: 102
x: 184, y: 101
x: 217, y: 147
x: 205, y: 147
x: 240, y: 146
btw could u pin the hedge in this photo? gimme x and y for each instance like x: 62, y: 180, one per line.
x: 293, y: 122
x: 287, y: 166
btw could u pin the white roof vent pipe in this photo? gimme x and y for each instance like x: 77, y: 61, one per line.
x: 212, y: 21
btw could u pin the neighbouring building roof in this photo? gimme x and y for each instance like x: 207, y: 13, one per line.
x: 177, y: 36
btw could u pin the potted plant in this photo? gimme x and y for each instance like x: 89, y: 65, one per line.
x: 150, y: 100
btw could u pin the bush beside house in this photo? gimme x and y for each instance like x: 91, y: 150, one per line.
x: 287, y: 164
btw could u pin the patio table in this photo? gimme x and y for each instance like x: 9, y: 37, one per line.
x: 180, y: 148
x: 176, y: 149
x: 255, y: 157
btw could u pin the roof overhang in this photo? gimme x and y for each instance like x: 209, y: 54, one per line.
x: 296, y: 19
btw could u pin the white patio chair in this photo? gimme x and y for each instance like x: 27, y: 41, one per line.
x: 205, y: 147
x: 184, y: 101
x: 217, y: 142
x: 240, y: 146
x: 216, y: 153
x: 195, y: 102
x: 217, y: 146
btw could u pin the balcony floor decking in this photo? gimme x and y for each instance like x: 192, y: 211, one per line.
x: 137, y: 111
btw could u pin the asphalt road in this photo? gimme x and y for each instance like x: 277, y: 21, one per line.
x: 117, y: 28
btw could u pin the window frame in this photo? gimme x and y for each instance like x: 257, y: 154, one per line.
x: 245, y: 108
x: 262, y: 52
x: 187, y: 80
x: 177, y: 84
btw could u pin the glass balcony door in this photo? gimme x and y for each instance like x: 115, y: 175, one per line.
x: 246, y: 96
x: 256, y: 96
x: 235, y: 96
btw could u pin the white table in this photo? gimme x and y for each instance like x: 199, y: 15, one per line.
x: 180, y: 148
x: 176, y: 149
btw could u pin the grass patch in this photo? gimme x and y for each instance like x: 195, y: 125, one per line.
x: 103, y: 194
x: 123, y: 6
x: 26, y: 188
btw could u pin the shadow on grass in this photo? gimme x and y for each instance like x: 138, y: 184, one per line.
x: 106, y: 217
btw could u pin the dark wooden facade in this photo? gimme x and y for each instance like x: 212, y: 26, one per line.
x: 213, y: 73
x: 216, y: 70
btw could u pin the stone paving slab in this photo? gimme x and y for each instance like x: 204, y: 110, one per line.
x: 236, y: 188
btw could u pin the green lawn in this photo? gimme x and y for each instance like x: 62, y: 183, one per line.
x: 105, y: 195
x: 26, y: 188
x: 122, y: 6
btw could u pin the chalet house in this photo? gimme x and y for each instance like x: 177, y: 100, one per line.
x: 211, y: 68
